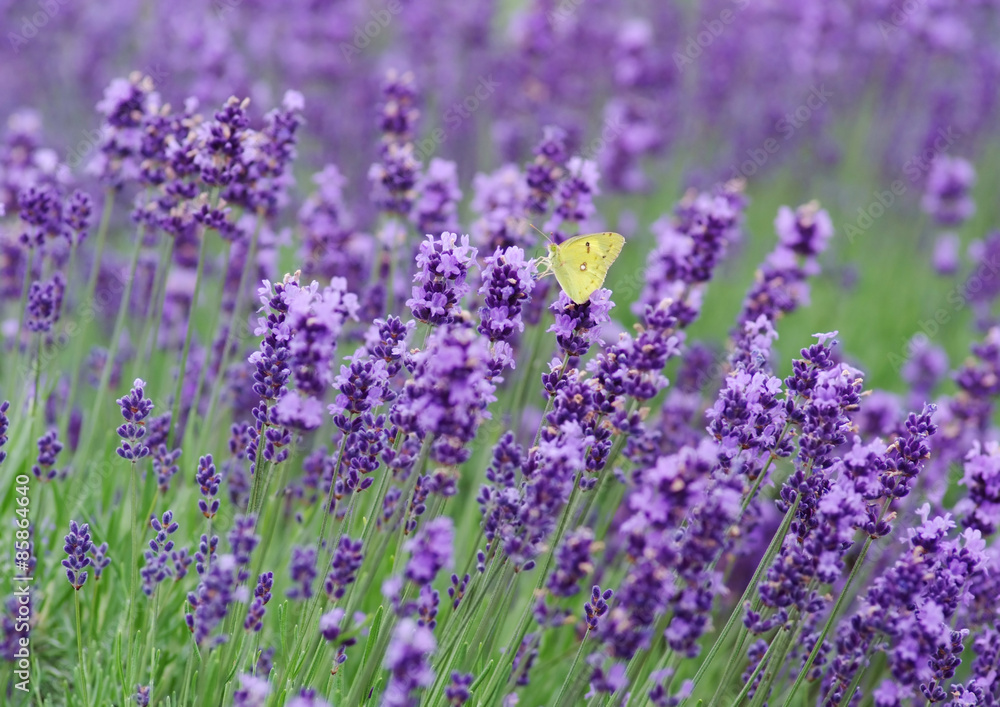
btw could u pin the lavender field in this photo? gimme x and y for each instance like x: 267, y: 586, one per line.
x: 293, y: 413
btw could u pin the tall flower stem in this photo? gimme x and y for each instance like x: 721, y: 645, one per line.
x: 88, y: 296
x: 179, y: 388
x: 565, y: 693
x: 134, y: 564
x: 226, y: 355
x: 83, y: 451
x: 79, y: 647
x: 147, y: 340
x: 102, y: 231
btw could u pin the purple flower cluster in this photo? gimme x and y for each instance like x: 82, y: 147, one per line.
x: 49, y: 447
x: 947, y: 195
x: 407, y: 660
x: 76, y: 548
x: 158, y: 556
x: 449, y: 392
x: 689, y: 246
x: 44, y: 304
x: 430, y: 551
x: 135, y: 409
x: 440, y: 281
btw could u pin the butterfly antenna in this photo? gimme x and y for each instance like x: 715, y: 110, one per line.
x: 544, y: 235
x: 545, y: 260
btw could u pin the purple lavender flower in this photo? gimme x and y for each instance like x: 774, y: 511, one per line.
x: 99, y: 559
x: 208, y: 483
x: 158, y: 557
x: 457, y: 693
x: 49, y: 447
x: 407, y: 660
x: 430, y: 551
x: 500, y: 199
x: 806, y: 231
x: 905, y: 457
x: 332, y: 246
x: 544, y: 174
x: 440, y: 281
x: 329, y: 624
x: 946, y: 258
x: 343, y: 568
x: 261, y: 596
x: 597, y: 606
x: 205, y: 554
x: 435, y: 209
x: 307, y: 698
x: 394, y: 179
x: 690, y: 244
x: 573, y: 563
x: 924, y: 369
x: 980, y: 509
x: 302, y: 568
x: 181, y: 560
x: 243, y: 539
x: 252, y: 692
x: 4, y: 426
x: 947, y: 198
x: 363, y: 385
x: 449, y: 392
x: 135, y: 409
x: 508, y: 280
x: 574, y: 199
x: 44, y: 304
x: 210, y: 601
x: 164, y: 464
x: 577, y: 326
x: 912, y: 604
x: 142, y: 695
x: 76, y: 548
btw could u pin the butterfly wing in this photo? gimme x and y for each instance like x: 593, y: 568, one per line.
x: 581, y: 263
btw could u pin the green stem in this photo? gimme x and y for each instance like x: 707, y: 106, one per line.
x: 147, y: 341
x: 102, y: 231
x: 79, y: 647
x: 572, y: 671
x: 134, y: 566
x: 226, y: 357
x: 95, y: 418
x: 178, y: 390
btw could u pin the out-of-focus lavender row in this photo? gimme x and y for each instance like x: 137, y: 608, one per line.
x: 626, y: 83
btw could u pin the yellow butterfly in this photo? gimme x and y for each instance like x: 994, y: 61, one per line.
x: 581, y: 263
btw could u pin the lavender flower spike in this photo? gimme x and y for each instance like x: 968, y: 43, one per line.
x: 77, y: 546
x: 135, y: 409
